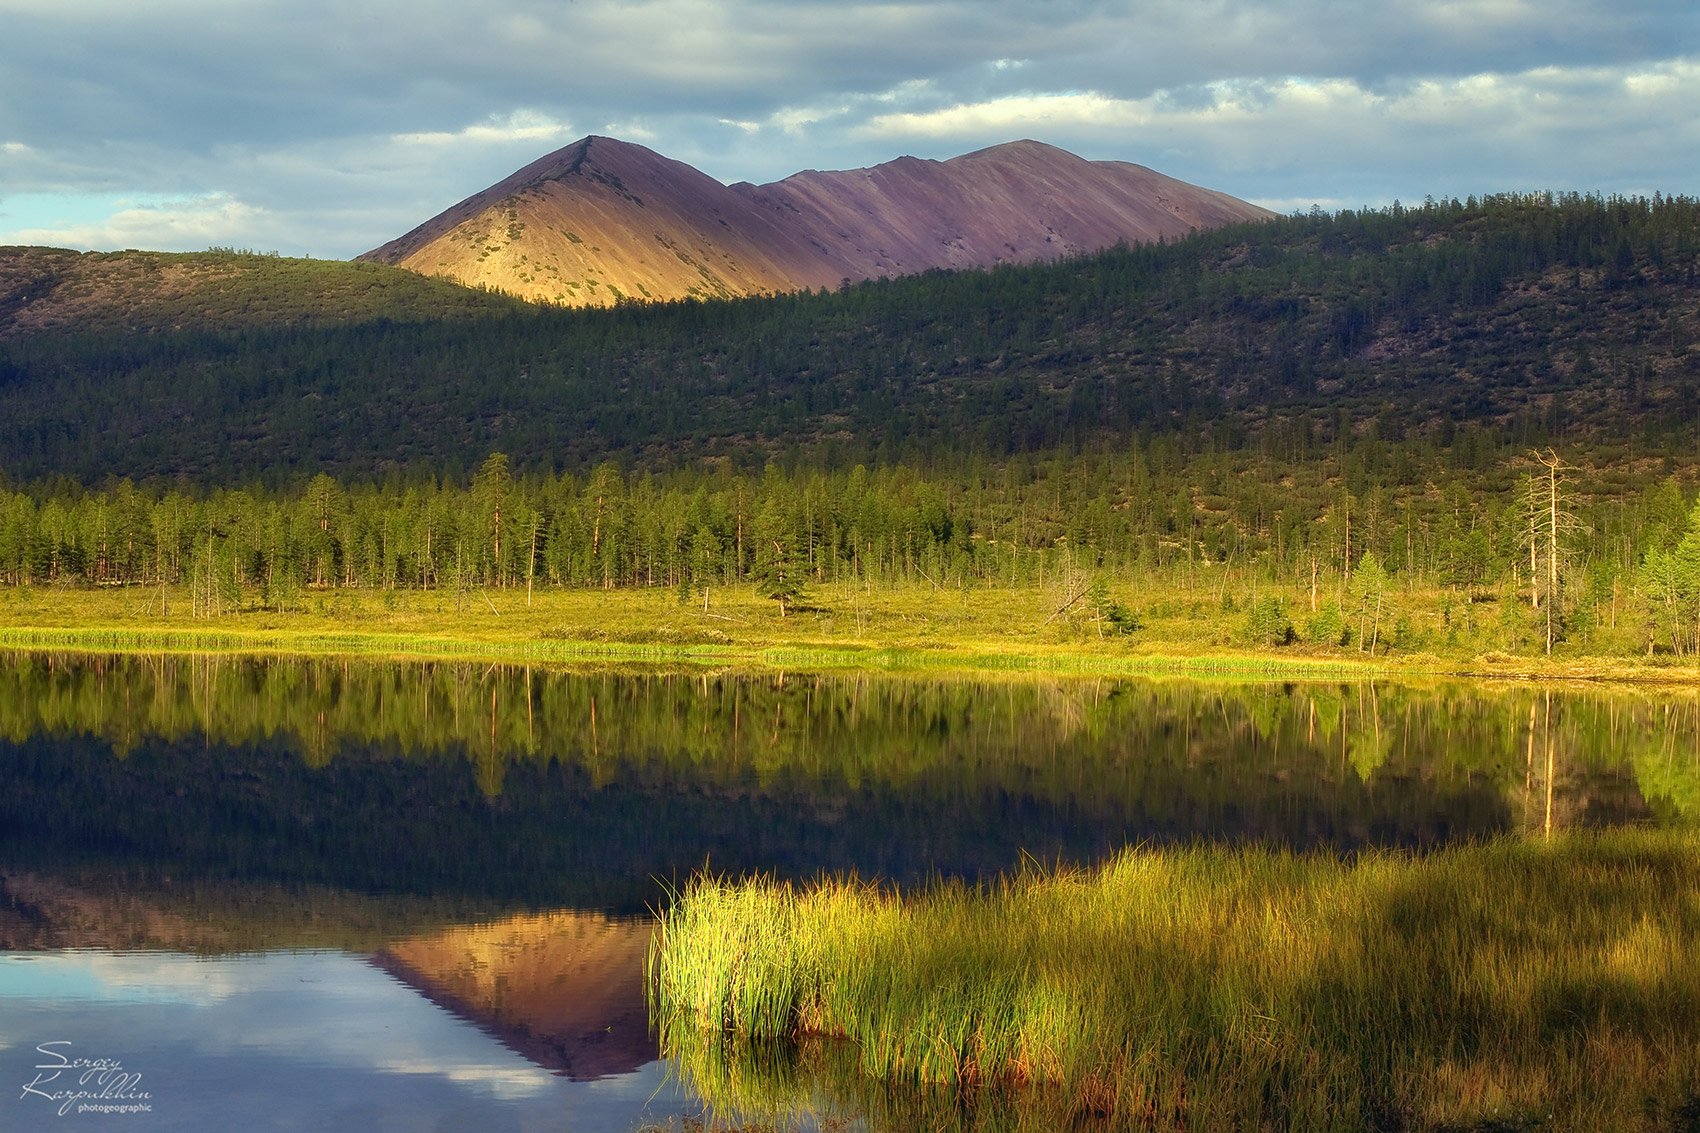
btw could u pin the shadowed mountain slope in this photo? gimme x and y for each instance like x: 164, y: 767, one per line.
x: 604, y: 220
x: 1016, y: 203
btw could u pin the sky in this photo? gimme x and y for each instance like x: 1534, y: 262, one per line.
x: 327, y: 127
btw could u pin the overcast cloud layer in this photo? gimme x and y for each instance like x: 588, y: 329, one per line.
x: 322, y: 128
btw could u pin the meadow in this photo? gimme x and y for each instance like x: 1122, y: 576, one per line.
x: 889, y: 627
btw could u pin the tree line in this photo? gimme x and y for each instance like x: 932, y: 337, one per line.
x: 1586, y: 545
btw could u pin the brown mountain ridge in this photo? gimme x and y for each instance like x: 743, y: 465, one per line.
x: 604, y: 220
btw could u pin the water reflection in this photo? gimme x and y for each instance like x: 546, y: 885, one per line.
x: 403, y: 1007
x: 565, y: 989
x: 315, y: 1040
x: 555, y: 788
x: 451, y: 856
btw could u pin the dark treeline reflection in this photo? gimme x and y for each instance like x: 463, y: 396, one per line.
x: 536, y: 786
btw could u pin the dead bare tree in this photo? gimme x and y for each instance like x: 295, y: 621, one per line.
x: 1550, y: 525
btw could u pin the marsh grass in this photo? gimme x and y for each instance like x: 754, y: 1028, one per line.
x: 899, y: 628
x: 1513, y: 984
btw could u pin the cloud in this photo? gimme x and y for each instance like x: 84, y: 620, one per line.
x: 338, y: 126
x: 1548, y: 127
x: 168, y: 225
x: 1019, y: 112
x: 518, y: 126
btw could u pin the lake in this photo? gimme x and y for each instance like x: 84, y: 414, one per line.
x: 338, y: 894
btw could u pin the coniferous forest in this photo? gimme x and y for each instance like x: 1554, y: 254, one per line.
x: 1487, y: 404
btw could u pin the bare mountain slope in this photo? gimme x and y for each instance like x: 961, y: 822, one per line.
x: 1019, y: 202
x: 603, y: 220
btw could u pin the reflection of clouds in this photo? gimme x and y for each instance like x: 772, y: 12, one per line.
x: 501, y: 1081
x: 335, y: 1010
x: 322, y: 1009
x: 317, y: 1040
x: 120, y: 977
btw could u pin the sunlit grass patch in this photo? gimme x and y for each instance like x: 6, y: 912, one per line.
x: 1524, y: 983
x: 895, y: 627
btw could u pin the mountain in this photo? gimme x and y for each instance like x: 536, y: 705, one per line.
x: 1021, y: 202
x: 603, y: 220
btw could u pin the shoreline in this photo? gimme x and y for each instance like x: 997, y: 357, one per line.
x: 811, y: 654
x: 904, y: 630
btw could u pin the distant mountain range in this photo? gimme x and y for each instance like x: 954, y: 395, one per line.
x: 604, y: 220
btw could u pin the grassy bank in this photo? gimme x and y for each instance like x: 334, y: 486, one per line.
x: 899, y: 629
x: 903, y: 629
x: 1509, y: 985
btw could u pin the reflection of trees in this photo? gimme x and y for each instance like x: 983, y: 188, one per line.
x: 1078, y: 742
x: 1667, y: 761
x: 1593, y: 760
x: 354, y: 772
x: 1056, y: 740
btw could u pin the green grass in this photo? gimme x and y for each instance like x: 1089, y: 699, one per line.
x: 898, y: 628
x: 1508, y: 985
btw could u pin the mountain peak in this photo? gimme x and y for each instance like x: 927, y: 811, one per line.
x: 601, y: 220
x: 589, y: 155
x: 1022, y: 146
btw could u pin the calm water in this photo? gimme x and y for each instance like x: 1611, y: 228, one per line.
x: 351, y: 895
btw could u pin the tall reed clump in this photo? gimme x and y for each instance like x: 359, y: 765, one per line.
x: 1507, y: 984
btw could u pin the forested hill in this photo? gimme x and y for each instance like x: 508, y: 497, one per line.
x: 59, y: 290
x: 1536, y: 319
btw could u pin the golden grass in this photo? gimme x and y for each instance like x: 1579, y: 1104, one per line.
x: 911, y: 628
x: 1519, y: 983
x: 903, y: 629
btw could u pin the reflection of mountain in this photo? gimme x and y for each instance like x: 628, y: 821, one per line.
x: 564, y: 989
x: 134, y: 905
x: 40, y: 912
